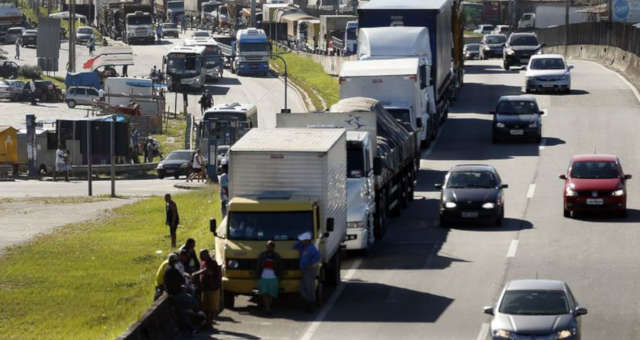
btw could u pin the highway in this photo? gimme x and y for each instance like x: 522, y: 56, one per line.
x: 426, y: 282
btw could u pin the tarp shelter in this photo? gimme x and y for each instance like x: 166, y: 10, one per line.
x: 114, y: 56
x: 8, y: 145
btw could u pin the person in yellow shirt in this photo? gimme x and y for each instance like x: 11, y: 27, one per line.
x: 160, y: 276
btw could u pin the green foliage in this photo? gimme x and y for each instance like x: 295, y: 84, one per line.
x: 92, y: 280
x: 29, y: 71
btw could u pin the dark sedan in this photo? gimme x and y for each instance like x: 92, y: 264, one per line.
x: 472, y: 193
x: 536, y: 309
x: 492, y: 45
x: 517, y: 117
x: 30, y: 38
x: 519, y: 48
x: 176, y: 164
x: 471, y: 51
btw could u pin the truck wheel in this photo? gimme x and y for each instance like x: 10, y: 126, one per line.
x: 506, y: 66
x: 379, y: 227
x: 333, y: 275
x: 319, y: 293
x: 228, y: 299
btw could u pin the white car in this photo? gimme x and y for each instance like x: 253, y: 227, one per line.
x: 200, y: 35
x: 548, y: 72
x: 484, y: 29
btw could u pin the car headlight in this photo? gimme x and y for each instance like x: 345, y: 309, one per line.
x: 489, y: 205
x: 450, y: 205
x: 501, y: 333
x: 619, y: 192
x: 233, y: 264
x: 570, y: 192
x: 499, y: 125
x: 184, y: 165
x: 160, y: 166
x: 563, y: 334
x: 533, y: 124
x: 358, y: 224
x: 510, y: 51
x: 486, y: 48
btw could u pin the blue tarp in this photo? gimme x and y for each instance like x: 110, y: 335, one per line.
x: 83, y: 79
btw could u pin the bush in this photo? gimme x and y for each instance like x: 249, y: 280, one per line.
x: 30, y: 71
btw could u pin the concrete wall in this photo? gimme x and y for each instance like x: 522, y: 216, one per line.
x: 157, y: 323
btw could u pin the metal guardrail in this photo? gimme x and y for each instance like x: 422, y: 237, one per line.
x: 106, y: 168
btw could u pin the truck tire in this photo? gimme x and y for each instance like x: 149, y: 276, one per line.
x: 379, y: 227
x: 228, y: 299
x: 333, y: 270
x: 397, y: 196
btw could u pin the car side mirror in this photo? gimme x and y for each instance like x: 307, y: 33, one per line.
x: 488, y: 310
x: 330, y: 224
x: 541, y: 112
x: 580, y: 311
x: 504, y: 186
x: 627, y: 176
x: 570, y: 67
x: 438, y: 186
x: 563, y: 177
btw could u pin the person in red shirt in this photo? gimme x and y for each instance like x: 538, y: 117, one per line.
x: 269, y: 269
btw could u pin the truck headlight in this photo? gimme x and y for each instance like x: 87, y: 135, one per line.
x: 233, y: 264
x: 160, y: 166
x: 353, y: 225
x: 450, y: 205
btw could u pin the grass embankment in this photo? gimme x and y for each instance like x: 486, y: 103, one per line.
x: 472, y: 34
x: 92, y: 280
x: 175, y: 132
x: 309, y: 76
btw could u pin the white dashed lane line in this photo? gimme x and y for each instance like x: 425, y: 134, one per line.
x: 484, y: 331
x: 531, y: 191
x: 513, y: 248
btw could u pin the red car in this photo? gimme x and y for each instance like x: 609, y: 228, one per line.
x: 595, y: 183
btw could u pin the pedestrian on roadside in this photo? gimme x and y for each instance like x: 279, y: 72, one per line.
x: 91, y: 45
x: 210, y: 282
x: 173, y: 219
x: 196, y: 167
x: 223, y: 181
x: 187, y: 309
x: 61, y: 163
x: 101, y: 94
x: 193, y: 264
x: 184, y: 24
x: 159, y: 32
x: 160, y: 288
x: 309, y: 257
x: 203, y: 103
x: 18, y: 41
x: 269, y: 270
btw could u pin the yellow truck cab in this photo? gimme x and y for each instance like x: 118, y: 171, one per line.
x: 283, y: 183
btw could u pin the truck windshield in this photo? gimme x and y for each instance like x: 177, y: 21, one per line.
x: 254, y: 47
x: 280, y: 226
x: 183, y: 63
x: 176, y: 5
x: 351, y: 33
x: 139, y: 20
x: 355, y: 161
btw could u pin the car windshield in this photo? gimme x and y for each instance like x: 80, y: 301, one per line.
x: 139, y: 20
x: 472, y: 47
x: 471, y: 179
x: 495, y: 39
x: 280, y: 226
x: 603, y: 169
x: 14, y: 30
x: 547, y: 64
x: 524, y: 40
x: 534, y: 302
x: 85, y: 30
x: 179, y: 155
x: 487, y: 27
x: 169, y: 26
x: 517, y: 107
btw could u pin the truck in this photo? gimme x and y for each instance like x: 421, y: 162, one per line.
x: 208, y: 12
x: 351, y: 37
x: 192, y: 8
x: 251, y: 52
x: 184, y: 68
x: 283, y: 183
x: 139, y: 28
x: 443, y: 20
x: 332, y: 27
x: 307, y: 34
x: 377, y: 46
x: 226, y: 43
x: 87, y: 78
x: 10, y: 16
x: 175, y: 11
x: 113, y: 21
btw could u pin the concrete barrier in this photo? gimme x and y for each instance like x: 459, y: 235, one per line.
x: 157, y: 323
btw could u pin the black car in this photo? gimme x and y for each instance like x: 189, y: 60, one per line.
x: 176, y: 164
x: 519, y: 48
x: 472, y: 193
x: 517, y: 117
x: 471, y: 51
x: 8, y: 69
x: 492, y: 45
x: 30, y: 38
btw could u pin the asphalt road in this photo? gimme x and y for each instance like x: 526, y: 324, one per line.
x: 426, y: 282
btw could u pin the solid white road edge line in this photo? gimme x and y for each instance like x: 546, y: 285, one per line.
x: 513, y: 248
x: 624, y: 80
x: 484, y: 331
x: 332, y: 301
x: 531, y: 191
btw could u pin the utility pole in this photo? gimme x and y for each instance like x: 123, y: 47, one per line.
x: 89, y: 155
x: 253, y: 14
x: 285, y: 109
x: 112, y: 143
x: 566, y: 25
x: 72, y: 37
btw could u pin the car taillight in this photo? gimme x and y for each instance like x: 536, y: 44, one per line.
x: 342, y: 80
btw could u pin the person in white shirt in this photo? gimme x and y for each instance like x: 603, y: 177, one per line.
x: 63, y: 163
x: 196, y: 167
x: 101, y: 95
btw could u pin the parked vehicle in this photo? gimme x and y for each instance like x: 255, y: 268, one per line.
x: 484, y: 29
x: 84, y: 35
x: 176, y: 164
x: 227, y: 44
x: 13, y: 34
x: 200, y: 35
x: 80, y: 95
x: 252, y: 51
x: 192, y: 8
x: 595, y: 183
x: 472, y: 193
x: 519, y: 48
x: 175, y: 11
x: 184, y: 68
x: 471, y: 51
x: 517, y: 117
x: 30, y: 38
x: 548, y: 72
x: 10, y: 16
x: 492, y: 45
x: 283, y: 183
x: 546, y: 308
x: 333, y: 26
x: 5, y: 90
x: 351, y: 37
x: 16, y: 88
x: 8, y: 69
x: 114, y: 22
x: 170, y: 29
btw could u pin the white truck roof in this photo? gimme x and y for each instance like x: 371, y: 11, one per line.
x: 187, y: 49
x: 285, y: 139
x: 193, y: 42
x: 396, y: 41
x: 233, y: 107
x: 388, y: 67
x: 251, y: 32
x: 404, y: 4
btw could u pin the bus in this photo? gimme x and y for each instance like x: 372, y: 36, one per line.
x: 183, y: 66
x: 213, y: 60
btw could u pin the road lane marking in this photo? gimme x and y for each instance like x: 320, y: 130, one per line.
x: 513, y: 248
x: 531, y: 191
x: 484, y: 331
x: 308, y: 334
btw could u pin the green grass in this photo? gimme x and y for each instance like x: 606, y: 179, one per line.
x: 176, y: 130
x: 310, y: 75
x: 472, y: 34
x: 92, y: 280
x: 59, y: 82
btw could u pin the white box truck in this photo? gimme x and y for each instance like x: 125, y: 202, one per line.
x: 282, y: 183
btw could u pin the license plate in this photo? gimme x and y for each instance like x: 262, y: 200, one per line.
x: 169, y: 171
x: 524, y: 60
x: 469, y: 214
x: 517, y: 132
x: 547, y: 85
x: 595, y: 201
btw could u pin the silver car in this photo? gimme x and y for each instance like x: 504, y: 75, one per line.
x: 548, y: 72
x: 536, y: 309
x: 84, y: 34
x: 81, y: 95
x: 11, y: 89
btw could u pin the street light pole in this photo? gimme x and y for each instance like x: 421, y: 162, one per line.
x: 285, y: 110
x: 72, y: 37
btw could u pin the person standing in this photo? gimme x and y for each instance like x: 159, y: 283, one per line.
x: 309, y: 257
x: 60, y: 162
x: 203, y: 103
x: 91, y: 45
x: 124, y: 70
x: 196, y: 167
x: 160, y: 288
x: 223, y: 181
x: 159, y: 32
x: 210, y: 281
x: 193, y: 264
x: 18, y: 41
x: 173, y: 219
x: 269, y: 270
x: 101, y: 94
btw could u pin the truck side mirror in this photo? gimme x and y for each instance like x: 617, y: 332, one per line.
x: 330, y: 224
x: 212, y: 225
x: 377, y: 166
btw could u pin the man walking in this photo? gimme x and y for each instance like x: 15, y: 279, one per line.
x: 309, y: 257
x: 173, y: 219
x: 18, y: 40
x: 223, y: 181
x: 269, y: 270
x: 159, y: 32
x: 91, y: 45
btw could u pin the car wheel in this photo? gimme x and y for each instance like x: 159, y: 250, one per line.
x: 176, y: 176
x: 506, y: 66
x: 71, y: 104
x: 500, y: 218
x: 567, y: 213
x: 622, y: 213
